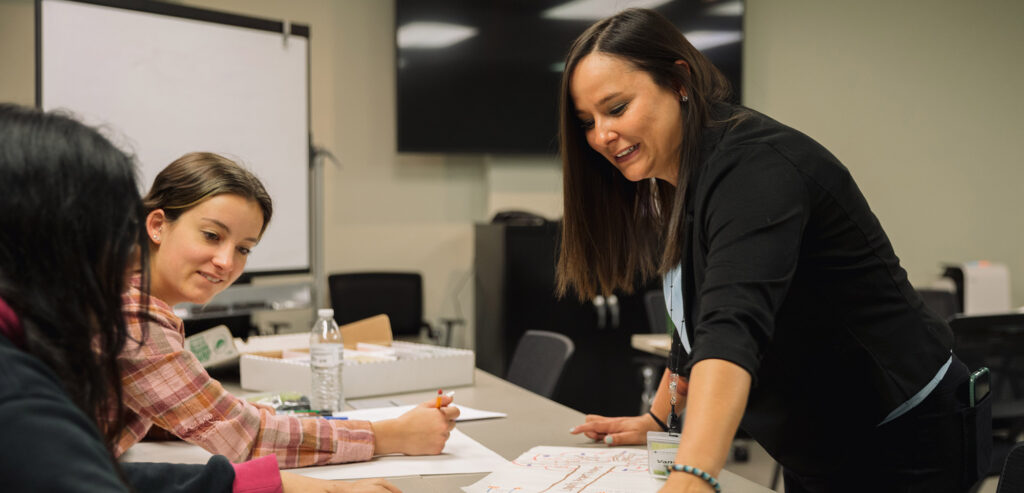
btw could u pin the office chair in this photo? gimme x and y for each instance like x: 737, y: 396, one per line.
x: 359, y: 295
x: 996, y: 341
x: 538, y: 361
x: 944, y: 303
x: 651, y: 366
x: 1011, y: 480
x: 657, y: 312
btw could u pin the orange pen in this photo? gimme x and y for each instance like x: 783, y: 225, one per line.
x: 439, y: 393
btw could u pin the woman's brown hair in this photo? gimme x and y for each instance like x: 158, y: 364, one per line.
x: 614, y: 230
x: 197, y: 176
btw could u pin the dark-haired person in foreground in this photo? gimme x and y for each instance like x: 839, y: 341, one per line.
x: 71, y: 232
x: 793, y: 317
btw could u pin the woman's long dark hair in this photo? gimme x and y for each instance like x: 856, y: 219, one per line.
x: 613, y: 229
x: 70, y: 230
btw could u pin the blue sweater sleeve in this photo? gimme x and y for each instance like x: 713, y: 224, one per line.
x: 215, y: 475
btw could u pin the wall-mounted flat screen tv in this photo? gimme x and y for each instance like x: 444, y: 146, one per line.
x: 482, y: 76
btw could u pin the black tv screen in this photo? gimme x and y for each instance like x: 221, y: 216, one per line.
x: 478, y: 76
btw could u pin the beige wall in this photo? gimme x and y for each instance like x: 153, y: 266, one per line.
x: 17, y: 51
x: 919, y: 98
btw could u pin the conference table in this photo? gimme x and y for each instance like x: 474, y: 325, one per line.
x: 532, y: 420
x: 657, y: 344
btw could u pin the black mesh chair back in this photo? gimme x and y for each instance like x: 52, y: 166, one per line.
x: 657, y: 312
x: 997, y: 342
x: 399, y: 295
x: 943, y: 303
x: 651, y: 366
x: 538, y: 361
x: 1011, y: 480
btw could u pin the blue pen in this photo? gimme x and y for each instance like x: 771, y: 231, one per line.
x: 335, y: 417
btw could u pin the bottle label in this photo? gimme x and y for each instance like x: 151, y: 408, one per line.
x: 325, y: 355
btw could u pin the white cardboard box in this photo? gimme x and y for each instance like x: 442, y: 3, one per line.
x: 419, y: 367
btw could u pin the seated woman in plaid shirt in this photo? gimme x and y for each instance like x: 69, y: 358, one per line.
x: 70, y: 231
x: 204, y: 214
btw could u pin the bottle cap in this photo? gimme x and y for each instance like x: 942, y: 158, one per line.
x: 325, y: 313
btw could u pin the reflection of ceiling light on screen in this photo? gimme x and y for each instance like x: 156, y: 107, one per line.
x: 432, y: 34
x: 732, y: 8
x: 705, y: 40
x: 593, y: 10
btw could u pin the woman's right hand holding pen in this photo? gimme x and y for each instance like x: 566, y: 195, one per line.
x: 423, y: 430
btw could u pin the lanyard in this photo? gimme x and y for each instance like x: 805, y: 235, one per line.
x: 676, y: 361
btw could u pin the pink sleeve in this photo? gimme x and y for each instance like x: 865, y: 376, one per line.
x: 257, y: 476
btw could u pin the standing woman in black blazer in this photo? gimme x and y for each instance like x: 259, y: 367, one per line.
x: 793, y: 317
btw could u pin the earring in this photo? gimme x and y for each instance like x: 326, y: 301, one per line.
x: 683, y: 98
x: 156, y: 238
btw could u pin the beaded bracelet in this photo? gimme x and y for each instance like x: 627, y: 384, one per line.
x: 696, y: 472
x: 661, y: 423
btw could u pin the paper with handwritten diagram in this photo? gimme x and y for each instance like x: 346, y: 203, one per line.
x: 572, y: 469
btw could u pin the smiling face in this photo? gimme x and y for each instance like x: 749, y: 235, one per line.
x: 627, y: 118
x: 203, y: 251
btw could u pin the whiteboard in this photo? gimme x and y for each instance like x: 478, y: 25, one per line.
x: 160, y: 85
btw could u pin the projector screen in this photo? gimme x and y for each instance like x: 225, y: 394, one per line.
x: 161, y: 80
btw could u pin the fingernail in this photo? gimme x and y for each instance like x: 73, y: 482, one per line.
x: 572, y: 430
x: 608, y: 439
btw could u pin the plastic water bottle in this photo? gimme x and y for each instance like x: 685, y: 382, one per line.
x: 325, y: 361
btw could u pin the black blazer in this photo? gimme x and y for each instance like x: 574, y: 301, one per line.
x: 788, y: 274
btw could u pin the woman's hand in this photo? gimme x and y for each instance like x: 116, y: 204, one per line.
x: 627, y: 430
x: 264, y: 407
x: 681, y: 482
x: 294, y: 483
x: 421, y: 431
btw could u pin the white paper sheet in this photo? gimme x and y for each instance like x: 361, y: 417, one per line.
x: 372, y: 402
x: 572, y: 469
x: 461, y: 455
x: 379, y: 413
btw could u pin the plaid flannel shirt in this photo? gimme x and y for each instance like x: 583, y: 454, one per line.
x: 164, y: 384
